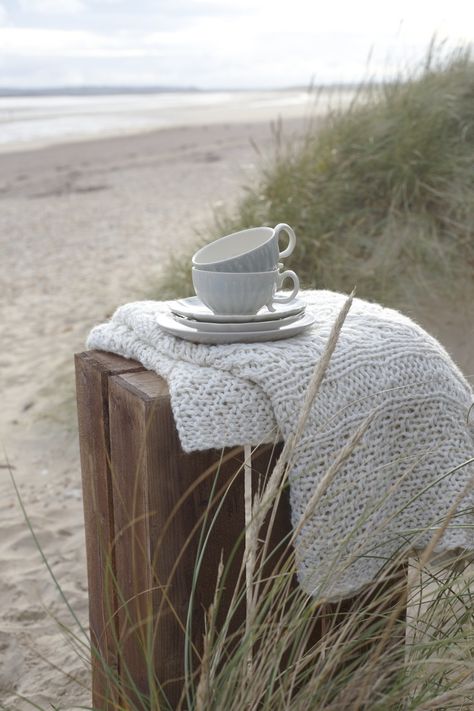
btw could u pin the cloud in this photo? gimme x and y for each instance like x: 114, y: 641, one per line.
x: 51, y: 7
x: 3, y: 15
x: 40, y: 42
x: 214, y: 44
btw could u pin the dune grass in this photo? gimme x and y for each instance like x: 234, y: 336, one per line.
x: 380, y: 194
x: 371, y: 655
x: 381, y: 197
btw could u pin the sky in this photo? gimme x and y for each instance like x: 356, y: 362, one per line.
x: 214, y: 44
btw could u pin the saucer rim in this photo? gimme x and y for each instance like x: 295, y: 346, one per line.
x: 282, y: 311
x: 238, y: 326
x: 169, y: 325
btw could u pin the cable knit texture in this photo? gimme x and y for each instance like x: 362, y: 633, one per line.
x: 398, y: 484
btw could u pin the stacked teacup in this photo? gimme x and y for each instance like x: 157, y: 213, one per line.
x: 237, y: 279
x: 240, y: 273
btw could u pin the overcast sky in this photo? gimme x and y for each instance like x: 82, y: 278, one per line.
x: 218, y: 43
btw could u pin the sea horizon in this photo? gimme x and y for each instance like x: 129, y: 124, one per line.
x: 42, y: 117
x: 132, y: 89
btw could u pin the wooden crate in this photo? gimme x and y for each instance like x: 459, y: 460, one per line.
x: 144, y: 505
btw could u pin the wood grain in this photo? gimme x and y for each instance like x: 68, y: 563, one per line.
x: 93, y: 369
x: 147, y: 505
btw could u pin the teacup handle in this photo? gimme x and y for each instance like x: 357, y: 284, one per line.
x: 282, y: 227
x: 285, y: 299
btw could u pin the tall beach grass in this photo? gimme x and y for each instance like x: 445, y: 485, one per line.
x: 381, y: 197
x: 380, y: 194
x: 371, y: 655
x: 404, y: 643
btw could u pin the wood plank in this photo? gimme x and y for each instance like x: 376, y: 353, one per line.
x: 93, y: 369
x: 166, y: 493
x: 151, y: 474
x: 160, y: 497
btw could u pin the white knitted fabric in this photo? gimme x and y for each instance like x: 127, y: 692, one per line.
x: 400, y: 481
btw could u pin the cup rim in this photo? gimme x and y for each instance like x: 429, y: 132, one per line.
x: 235, y: 274
x: 221, y: 240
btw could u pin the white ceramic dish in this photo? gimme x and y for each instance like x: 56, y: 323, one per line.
x: 170, y: 325
x: 193, y: 307
x: 252, y: 250
x: 232, y: 293
x: 242, y: 326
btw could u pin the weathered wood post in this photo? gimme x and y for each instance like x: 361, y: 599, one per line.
x: 144, y: 503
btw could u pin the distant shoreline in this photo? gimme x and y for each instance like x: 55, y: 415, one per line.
x: 13, y: 150
x: 40, y: 120
x: 7, y: 92
x: 96, y: 91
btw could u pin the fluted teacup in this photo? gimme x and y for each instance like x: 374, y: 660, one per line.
x: 253, y: 250
x: 245, y: 293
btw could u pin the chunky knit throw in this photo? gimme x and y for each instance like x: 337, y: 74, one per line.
x: 397, y: 486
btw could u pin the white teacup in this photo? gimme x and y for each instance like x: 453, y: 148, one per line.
x: 252, y: 250
x: 242, y: 292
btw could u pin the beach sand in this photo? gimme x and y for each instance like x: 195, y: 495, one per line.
x: 84, y: 228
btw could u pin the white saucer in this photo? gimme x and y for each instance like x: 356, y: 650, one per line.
x: 241, y: 326
x: 181, y: 329
x: 193, y: 307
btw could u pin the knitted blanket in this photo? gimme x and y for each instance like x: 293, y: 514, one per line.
x: 396, y: 487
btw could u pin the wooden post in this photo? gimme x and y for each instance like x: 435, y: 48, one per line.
x: 144, y: 503
x: 143, y: 509
x: 93, y: 370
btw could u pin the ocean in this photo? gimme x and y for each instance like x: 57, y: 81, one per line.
x: 34, y: 121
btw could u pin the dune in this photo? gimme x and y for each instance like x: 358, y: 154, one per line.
x: 85, y: 227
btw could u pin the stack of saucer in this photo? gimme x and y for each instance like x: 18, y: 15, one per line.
x: 236, y: 279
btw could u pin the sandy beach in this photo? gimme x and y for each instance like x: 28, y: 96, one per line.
x: 85, y: 227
